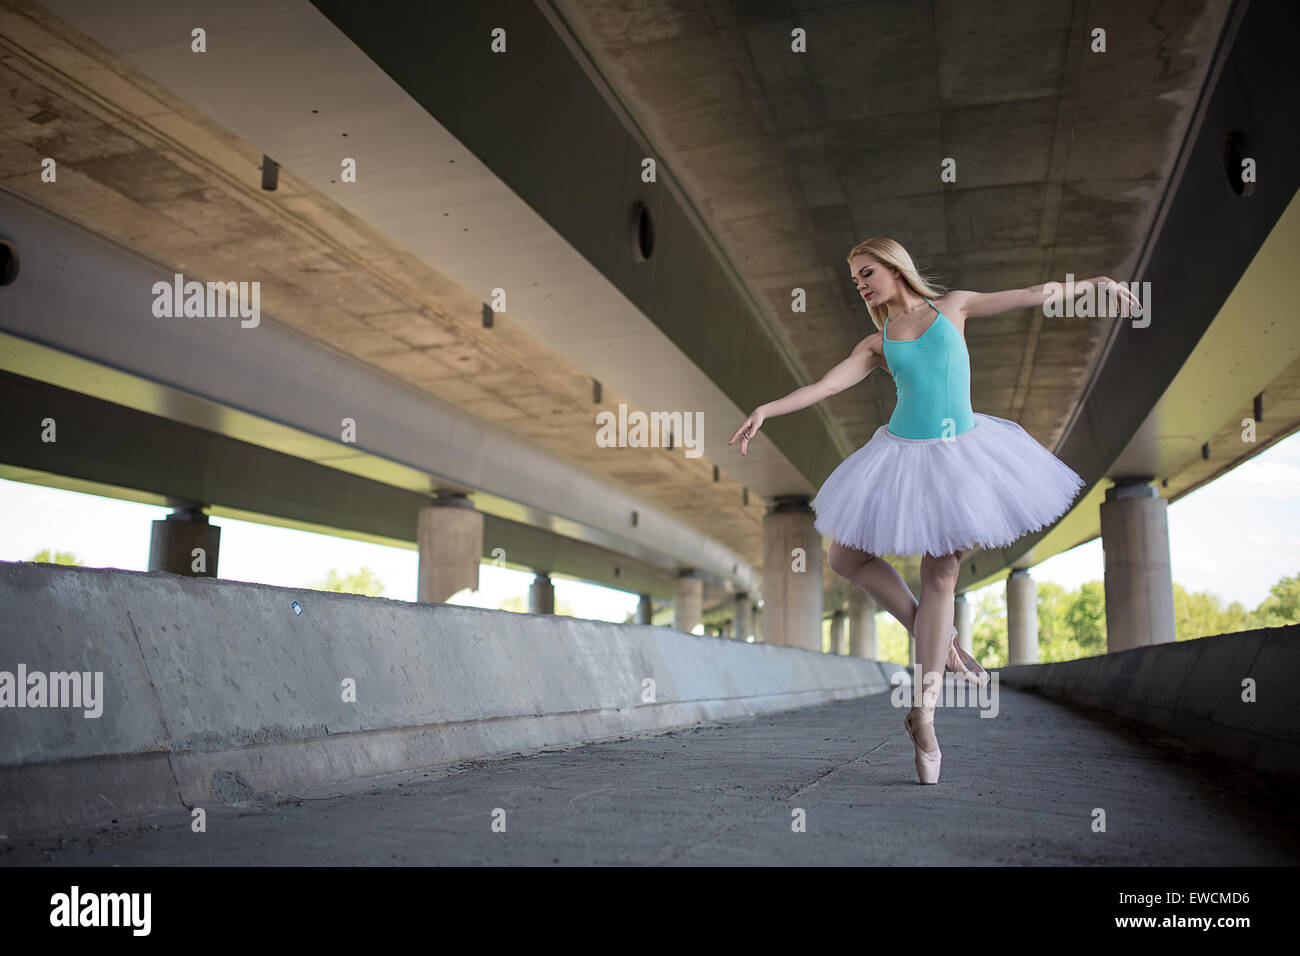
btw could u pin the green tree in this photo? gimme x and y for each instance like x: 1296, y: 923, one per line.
x: 359, y: 582
x: 1086, y: 617
x: 1202, y: 614
x: 1281, y: 607
x: 891, y: 639
x: 60, y: 557
x: 1071, y: 624
x: 1055, y: 637
x: 988, y: 624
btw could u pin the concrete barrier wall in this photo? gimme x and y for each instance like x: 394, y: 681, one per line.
x: 1194, y: 690
x: 214, y: 690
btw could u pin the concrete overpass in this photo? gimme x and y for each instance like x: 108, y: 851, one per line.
x: 439, y: 330
x: 476, y: 314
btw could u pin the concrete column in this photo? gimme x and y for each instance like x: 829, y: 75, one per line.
x: 743, y: 619
x: 184, y: 542
x: 792, y: 575
x: 839, y: 639
x: 541, y: 595
x: 450, y: 539
x: 1139, y: 583
x: 690, y: 600
x: 1022, y: 618
x: 758, y: 625
x: 645, y: 610
x: 862, y: 624
x: 962, y: 613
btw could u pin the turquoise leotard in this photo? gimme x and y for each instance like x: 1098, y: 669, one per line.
x: 932, y: 375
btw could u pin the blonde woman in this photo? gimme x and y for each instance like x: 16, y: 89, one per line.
x: 938, y: 479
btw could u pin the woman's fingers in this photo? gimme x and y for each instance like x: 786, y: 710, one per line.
x: 1124, y: 297
x: 1128, y: 302
x: 743, y: 433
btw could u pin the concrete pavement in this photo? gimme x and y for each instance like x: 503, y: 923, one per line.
x: 1017, y: 789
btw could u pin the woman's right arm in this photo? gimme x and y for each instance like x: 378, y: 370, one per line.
x: 846, y: 374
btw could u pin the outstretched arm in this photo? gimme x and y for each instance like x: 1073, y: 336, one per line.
x: 846, y: 374
x: 974, y: 305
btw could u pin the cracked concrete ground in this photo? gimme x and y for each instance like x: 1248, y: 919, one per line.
x: 1017, y: 789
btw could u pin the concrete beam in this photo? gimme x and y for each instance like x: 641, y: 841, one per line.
x: 166, y: 461
x: 273, y: 387
x: 395, y: 83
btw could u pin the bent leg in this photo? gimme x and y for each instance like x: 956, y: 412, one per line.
x: 878, y: 578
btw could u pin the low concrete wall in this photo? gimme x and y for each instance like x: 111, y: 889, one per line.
x: 1194, y: 690
x: 215, y: 689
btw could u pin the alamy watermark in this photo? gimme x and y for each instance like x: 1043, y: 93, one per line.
x: 656, y: 430
x: 215, y: 300
x: 1096, y: 300
x: 75, y: 908
x: 82, y: 689
x: 958, y: 692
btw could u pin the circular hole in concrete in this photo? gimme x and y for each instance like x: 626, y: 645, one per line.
x: 1234, y: 152
x: 8, y: 262
x: 643, y: 232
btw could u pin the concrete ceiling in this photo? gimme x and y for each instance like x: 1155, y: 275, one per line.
x: 1060, y: 157
x: 147, y: 169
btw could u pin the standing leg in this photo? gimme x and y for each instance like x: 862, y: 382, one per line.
x: 933, y: 635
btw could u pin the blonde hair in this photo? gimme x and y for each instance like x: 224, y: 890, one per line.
x: 891, y: 254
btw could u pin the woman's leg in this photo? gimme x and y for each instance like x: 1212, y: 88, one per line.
x: 877, y: 578
x: 934, y: 634
x: 881, y: 581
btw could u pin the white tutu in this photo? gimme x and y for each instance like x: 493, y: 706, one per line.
x: 984, y: 488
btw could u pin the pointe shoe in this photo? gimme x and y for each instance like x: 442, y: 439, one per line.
x: 927, y: 764
x: 959, y: 662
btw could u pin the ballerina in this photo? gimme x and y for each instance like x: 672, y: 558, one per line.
x: 939, y: 479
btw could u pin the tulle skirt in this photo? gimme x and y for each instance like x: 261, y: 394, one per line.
x: 984, y: 488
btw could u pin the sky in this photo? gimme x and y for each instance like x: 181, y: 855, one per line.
x: 1234, y: 537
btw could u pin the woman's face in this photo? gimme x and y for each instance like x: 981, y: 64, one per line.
x: 875, y: 281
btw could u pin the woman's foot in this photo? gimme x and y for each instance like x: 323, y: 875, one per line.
x: 961, y: 663
x: 920, y: 727
x: 954, y: 663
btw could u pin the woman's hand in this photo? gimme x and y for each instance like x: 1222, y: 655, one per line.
x: 748, y: 430
x: 1110, y: 290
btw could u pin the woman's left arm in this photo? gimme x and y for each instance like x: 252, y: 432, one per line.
x: 974, y: 305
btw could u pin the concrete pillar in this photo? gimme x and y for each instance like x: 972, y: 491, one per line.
x: 743, y: 618
x: 862, y: 624
x: 1139, y: 583
x: 450, y: 539
x: 758, y: 625
x: 792, y: 575
x: 690, y: 600
x: 1022, y: 618
x: 962, y: 613
x: 839, y: 639
x: 645, y: 610
x: 541, y: 595
x: 184, y: 542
